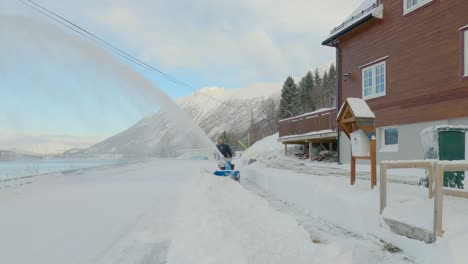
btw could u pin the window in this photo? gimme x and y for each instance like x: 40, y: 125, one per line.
x: 411, y: 5
x: 368, y: 78
x: 465, y: 51
x: 389, y: 139
x: 374, y: 81
x: 391, y: 136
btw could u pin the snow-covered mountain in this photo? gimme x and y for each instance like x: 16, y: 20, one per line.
x: 240, y: 112
x: 208, y: 99
x: 217, y: 109
x: 214, y: 109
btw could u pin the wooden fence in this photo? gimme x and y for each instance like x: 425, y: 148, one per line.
x: 436, y: 171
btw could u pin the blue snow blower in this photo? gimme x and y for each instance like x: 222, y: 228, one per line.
x: 226, y: 169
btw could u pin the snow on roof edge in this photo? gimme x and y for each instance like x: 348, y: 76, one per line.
x: 359, y: 107
x: 314, y: 133
x: 368, y: 7
x: 433, y: 129
x: 321, y: 110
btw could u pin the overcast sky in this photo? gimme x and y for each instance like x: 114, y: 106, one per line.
x: 232, y: 44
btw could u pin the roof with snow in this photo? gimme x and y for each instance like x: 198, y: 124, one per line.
x: 366, y: 11
x: 328, y: 133
x: 359, y: 108
x: 321, y: 110
x: 355, y: 114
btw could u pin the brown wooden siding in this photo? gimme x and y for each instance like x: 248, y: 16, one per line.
x: 423, y: 81
x: 308, y: 123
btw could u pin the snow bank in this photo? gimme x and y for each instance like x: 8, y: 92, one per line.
x: 323, y: 190
x: 221, y: 222
x: 267, y: 148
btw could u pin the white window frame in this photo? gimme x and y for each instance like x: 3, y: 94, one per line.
x: 392, y: 147
x: 374, y: 93
x: 465, y: 52
x: 420, y: 4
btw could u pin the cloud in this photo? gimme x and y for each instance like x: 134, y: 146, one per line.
x: 262, y: 40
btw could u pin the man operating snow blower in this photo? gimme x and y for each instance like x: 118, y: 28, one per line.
x: 227, y: 168
x: 223, y: 148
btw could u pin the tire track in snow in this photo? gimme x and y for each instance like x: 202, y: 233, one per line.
x: 364, y: 248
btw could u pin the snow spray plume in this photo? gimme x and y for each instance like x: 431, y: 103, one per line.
x: 87, y: 62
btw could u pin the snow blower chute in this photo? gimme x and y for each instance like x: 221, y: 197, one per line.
x: 226, y: 169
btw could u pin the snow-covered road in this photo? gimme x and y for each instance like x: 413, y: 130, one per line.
x: 94, y: 216
x: 176, y: 212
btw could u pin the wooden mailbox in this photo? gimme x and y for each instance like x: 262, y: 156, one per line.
x: 357, y: 121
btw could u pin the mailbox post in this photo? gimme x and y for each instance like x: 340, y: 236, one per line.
x: 357, y: 121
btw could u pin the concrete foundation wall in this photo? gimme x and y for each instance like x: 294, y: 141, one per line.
x: 409, y: 143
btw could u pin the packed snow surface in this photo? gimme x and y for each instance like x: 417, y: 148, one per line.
x: 94, y: 216
x: 221, y: 222
x: 177, y: 212
x: 159, y: 211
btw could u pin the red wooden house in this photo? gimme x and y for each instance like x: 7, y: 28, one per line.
x: 409, y: 60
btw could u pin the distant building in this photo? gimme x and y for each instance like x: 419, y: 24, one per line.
x: 315, y: 129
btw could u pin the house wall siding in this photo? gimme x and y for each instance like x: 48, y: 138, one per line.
x: 409, y: 145
x: 423, y: 81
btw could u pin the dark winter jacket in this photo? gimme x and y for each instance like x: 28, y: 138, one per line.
x: 225, y: 150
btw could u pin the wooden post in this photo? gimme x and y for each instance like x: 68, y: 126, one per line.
x: 383, y: 187
x: 373, y: 159
x: 438, y: 200
x: 285, y: 149
x: 431, y: 182
x: 330, y: 146
x: 310, y: 149
x: 353, y: 169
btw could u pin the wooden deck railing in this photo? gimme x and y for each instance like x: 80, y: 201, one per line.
x: 307, y: 123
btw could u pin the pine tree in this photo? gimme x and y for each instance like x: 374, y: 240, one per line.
x: 325, y: 90
x: 332, y: 84
x: 318, y: 89
x: 297, y: 102
x: 306, y: 92
x: 290, y: 104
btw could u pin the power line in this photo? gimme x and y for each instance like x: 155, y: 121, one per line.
x: 105, y: 44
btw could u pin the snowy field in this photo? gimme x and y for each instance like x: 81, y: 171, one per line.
x: 177, y: 212
x: 84, y: 217
x: 161, y: 211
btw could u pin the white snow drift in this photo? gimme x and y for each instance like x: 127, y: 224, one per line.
x: 221, y: 222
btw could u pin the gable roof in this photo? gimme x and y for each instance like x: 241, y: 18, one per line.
x: 367, y: 10
x: 358, y: 107
x: 356, y: 114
